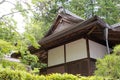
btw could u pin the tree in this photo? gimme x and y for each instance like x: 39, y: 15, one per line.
x: 109, y: 10
x: 8, y: 35
x: 10, y: 39
x: 8, y: 26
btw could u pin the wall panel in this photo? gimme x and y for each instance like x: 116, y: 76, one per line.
x: 97, y: 50
x: 56, y: 56
x: 76, y: 50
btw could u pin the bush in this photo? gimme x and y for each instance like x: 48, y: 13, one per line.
x: 13, y: 65
x: 57, y: 76
x: 109, y: 66
x: 33, y: 61
x: 8, y: 74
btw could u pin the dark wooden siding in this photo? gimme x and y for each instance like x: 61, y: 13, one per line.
x: 92, y: 66
x: 57, y: 69
x: 83, y: 67
x: 78, y: 67
x: 73, y: 68
x: 43, y: 71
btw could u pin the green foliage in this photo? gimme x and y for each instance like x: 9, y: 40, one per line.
x: 8, y: 29
x: 38, y: 28
x: 9, y: 33
x: 35, y: 71
x: 31, y: 40
x: 57, y: 76
x: 36, y: 1
x: 33, y: 61
x: 109, y: 66
x: 42, y: 17
x: 7, y: 74
x: 5, y: 47
x: 106, y: 9
x: 117, y: 50
x: 29, y: 59
x: 43, y: 65
x: 109, y: 10
x: 78, y: 7
x: 23, y: 67
x: 13, y: 65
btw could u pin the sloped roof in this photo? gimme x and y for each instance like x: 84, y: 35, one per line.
x: 64, y: 16
x: 84, y: 25
x: 72, y: 14
x: 116, y: 27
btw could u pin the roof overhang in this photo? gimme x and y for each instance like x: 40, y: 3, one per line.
x: 79, y: 29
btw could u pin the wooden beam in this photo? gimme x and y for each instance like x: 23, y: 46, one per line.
x: 91, y: 30
x: 114, y: 39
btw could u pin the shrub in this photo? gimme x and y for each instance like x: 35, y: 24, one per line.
x: 13, y: 65
x: 109, y: 66
x: 57, y: 76
x: 33, y: 61
x: 7, y: 74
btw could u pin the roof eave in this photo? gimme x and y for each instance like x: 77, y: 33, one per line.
x: 79, y: 26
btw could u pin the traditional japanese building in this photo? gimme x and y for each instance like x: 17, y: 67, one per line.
x: 73, y: 44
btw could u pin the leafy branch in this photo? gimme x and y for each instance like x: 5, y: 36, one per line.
x: 14, y: 12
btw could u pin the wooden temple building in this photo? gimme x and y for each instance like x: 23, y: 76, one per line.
x: 73, y: 44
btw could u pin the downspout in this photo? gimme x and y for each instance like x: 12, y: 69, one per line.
x: 106, y: 39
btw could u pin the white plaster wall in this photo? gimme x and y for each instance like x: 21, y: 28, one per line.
x: 76, y: 50
x: 97, y: 50
x: 56, y: 56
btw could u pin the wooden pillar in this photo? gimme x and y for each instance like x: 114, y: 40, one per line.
x: 88, y: 56
x: 65, y: 65
x: 47, y: 62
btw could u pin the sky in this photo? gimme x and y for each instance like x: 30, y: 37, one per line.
x: 6, y: 7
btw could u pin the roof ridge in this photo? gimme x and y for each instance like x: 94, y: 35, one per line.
x: 62, y: 10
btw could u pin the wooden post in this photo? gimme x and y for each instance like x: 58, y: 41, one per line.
x: 88, y: 56
x: 65, y: 65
